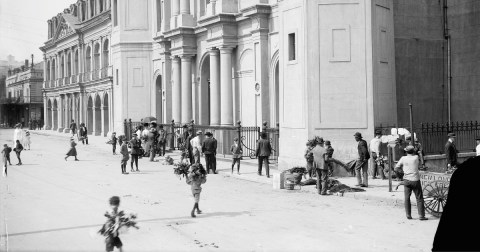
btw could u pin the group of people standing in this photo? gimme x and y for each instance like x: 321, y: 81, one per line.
x: 318, y: 155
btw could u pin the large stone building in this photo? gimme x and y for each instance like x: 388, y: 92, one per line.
x: 322, y: 67
x: 23, y: 101
x: 317, y: 67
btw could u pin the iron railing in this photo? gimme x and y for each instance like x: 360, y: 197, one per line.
x: 433, y: 136
x: 224, y: 135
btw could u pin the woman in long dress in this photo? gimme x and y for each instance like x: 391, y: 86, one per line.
x: 73, y: 150
x: 18, y: 134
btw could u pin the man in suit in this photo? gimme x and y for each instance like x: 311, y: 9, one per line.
x: 320, y: 156
x: 451, y: 152
x: 162, y: 140
x: 375, y: 152
x: 264, y: 148
x: 361, y: 167
x: 209, y: 148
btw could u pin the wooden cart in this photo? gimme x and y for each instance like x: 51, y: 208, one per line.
x: 435, y: 191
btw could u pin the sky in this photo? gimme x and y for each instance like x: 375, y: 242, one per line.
x: 23, y: 26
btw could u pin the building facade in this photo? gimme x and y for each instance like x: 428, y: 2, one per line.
x: 23, y: 102
x: 320, y: 67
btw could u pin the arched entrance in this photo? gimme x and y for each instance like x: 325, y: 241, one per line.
x: 55, y: 115
x: 159, y: 99
x: 274, y: 94
x: 204, y: 92
x: 98, y: 115
x: 106, y: 119
x: 90, y: 115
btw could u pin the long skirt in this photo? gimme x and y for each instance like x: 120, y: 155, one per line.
x: 72, y: 152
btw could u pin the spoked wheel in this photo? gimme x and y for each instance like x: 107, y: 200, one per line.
x: 435, y: 196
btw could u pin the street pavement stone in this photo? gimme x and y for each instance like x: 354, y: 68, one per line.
x: 49, y: 204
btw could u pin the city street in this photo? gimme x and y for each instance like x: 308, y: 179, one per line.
x: 48, y: 204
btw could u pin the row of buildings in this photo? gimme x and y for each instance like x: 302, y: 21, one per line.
x: 319, y: 67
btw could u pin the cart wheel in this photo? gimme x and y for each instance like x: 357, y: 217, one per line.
x: 435, y: 196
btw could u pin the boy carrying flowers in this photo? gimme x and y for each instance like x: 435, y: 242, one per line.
x: 195, y: 178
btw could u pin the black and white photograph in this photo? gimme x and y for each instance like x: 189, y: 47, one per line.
x: 239, y: 125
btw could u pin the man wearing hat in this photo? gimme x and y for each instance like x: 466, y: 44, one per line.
x: 418, y: 151
x: 451, y: 152
x: 209, y: 148
x: 375, y: 152
x: 135, y: 145
x: 361, y: 166
x: 196, y: 147
x: 320, y: 158
x: 411, y: 180
x: 263, y: 151
x: 478, y: 145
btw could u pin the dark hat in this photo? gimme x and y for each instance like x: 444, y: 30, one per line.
x: 358, y: 134
x: 319, y: 140
x: 327, y: 142
x: 199, y: 132
x: 235, y: 139
x: 477, y: 138
x: 451, y: 134
x: 378, y: 132
x: 114, y: 133
x: 185, y: 126
x: 409, y: 148
x: 208, y: 133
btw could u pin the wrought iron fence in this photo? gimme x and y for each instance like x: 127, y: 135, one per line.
x: 433, y: 136
x: 224, y: 134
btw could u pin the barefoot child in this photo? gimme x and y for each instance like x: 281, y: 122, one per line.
x: 6, y: 158
x: 196, y: 177
x: 114, y: 143
x: 124, y: 152
x: 237, y: 151
x: 18, y: 149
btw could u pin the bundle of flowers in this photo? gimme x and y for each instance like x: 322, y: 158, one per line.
x: 112, y: 225
x: 168, y: 161
x: 297, y: 169
x: 198, y: 170
x: 181, y: 169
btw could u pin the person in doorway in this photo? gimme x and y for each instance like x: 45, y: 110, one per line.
x: 83, y: 134
x: 73, y: 150
x: 114, y: 143
x: 375, y: 154
x: 18, y: 150
x: 320, y: 158
x: 124, y: 152
x: 330, y: 150
x: 477, y: 149
x: 196, y: 147
x: 135, y: 144
x: 264, y: 149
x: 73, y: 128
x: 162, y: 140
x: 237, y: 152
x: 209, y: 148
x: 361, y: 166
x: 451, y: 153
x: 411, y: 180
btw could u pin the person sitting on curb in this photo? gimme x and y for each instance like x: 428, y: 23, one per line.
x: 411, y: 182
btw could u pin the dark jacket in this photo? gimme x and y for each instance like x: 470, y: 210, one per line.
x: 363, y: 150
x: 451, y: 152
x: 18, y: 148
x: 135, y: 144
x: 209, y: 146
x: 264, y: 148
x: 330, y: 151
x: 73, y: 126
x: 83, y: 131
x: 162, y: 136
x: 319, y: 157
x: 236, y: 150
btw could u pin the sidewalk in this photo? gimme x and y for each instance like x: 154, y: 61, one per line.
x: 377, y: 192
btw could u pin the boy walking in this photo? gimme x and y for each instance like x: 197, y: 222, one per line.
x: 6, y: 157
x: 196, y: 177
x: 237, y: 151
x: 124, y: 152
x: 18, y: 149
x: 113, y: 240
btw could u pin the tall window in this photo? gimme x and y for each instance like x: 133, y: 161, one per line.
x: 100, y: 3
x: 159, y: 15
x: 291, y: 47
x: 115, y: 19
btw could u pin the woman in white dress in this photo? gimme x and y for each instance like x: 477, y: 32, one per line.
x: 18, y: 133
x: 26, y: 140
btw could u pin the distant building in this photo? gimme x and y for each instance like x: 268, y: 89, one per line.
x: 23, y: 102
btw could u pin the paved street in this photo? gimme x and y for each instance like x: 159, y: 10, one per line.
x: 48, y: 204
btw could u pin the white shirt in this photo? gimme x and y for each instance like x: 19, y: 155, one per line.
x: 139, y: 134
x: 195, y: 142
x: 409, y: 164
x: 478, y: 150
x: 145, y: 132
x: 375, y: 145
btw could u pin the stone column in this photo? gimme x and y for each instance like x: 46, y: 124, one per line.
x: 226, y: 109
x: 45, y: 112
x: 60, y: 113
x: 82, y: 108
x: 110, y: 111
x: 214, y: 87
x: 185, y: 18
x: 53, y: 116
x: 165, y: 16
x: 176, y: 90
x: 186, y: 88
x: 74, y: 109
x: 94, y: 118
x: 175, y: 13
x: 45, y: 62
x: 102, y: 122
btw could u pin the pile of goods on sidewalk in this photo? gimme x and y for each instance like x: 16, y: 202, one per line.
x: 119, y: 222
x: 168, y: 160
x: 333, y: 185
x: 293, y: 177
